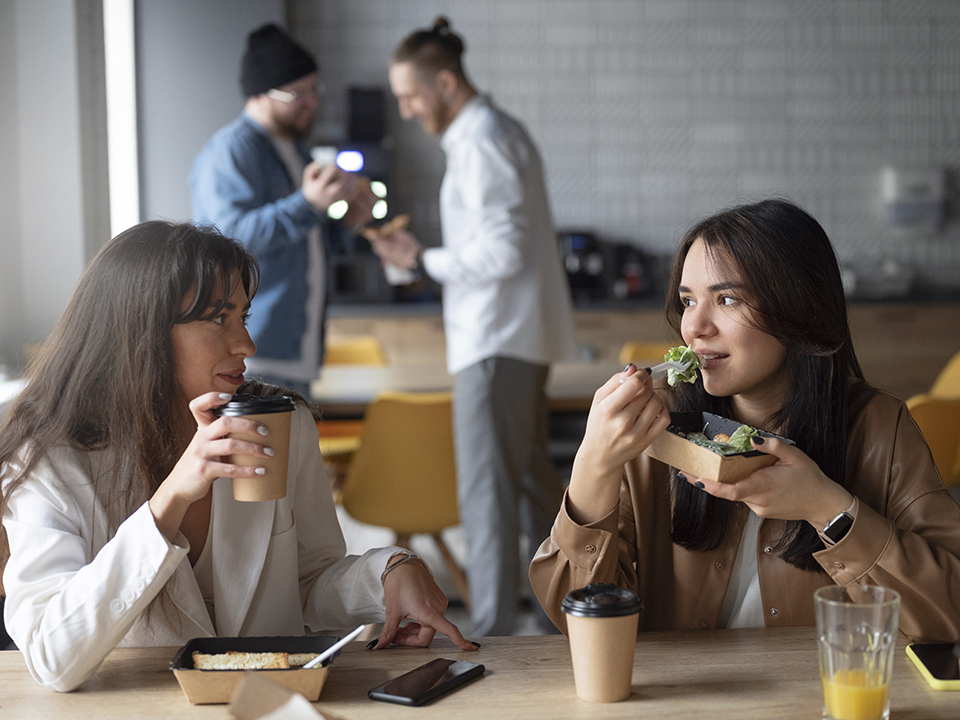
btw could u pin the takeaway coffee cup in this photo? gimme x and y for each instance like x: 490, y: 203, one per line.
x: 602, y: 627
x: 273, y: 411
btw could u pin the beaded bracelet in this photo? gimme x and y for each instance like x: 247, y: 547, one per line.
x: 394, y: 565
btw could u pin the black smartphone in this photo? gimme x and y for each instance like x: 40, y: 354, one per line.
x: 427, y: 682
x: 938, y: 664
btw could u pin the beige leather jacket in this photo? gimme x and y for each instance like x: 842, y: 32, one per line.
x: 906, y: 536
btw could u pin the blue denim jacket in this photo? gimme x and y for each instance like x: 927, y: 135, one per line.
x: 240, y: 184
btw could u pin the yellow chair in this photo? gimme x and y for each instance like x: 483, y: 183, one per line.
x: 947, y: 383
x: 363, y: 350
x: 644, y: 352
x: 939, y: 421
x: 339, y: 439
x: 403, y: 475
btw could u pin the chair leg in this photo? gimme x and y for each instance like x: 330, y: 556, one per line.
x: 457, y: 575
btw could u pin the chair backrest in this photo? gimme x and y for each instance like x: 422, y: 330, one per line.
x: 363, y: 350
x: 939, y: 421
x: 947, y: 383
x: 644, y: 352
x: 403, y: 475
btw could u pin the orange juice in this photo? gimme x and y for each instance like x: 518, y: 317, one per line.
x: 854, y: 695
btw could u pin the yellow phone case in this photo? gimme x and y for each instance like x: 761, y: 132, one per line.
x: 934, y: 682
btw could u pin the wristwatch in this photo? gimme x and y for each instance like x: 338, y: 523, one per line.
x: 837, y: 528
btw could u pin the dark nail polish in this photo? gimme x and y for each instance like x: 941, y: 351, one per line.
x: 698, y: 484
x: 758, y: 440
x: 681, y: 476
x: 648, y: 370
x: 372, y: 644
x: 475, y: 644
x: 629, y: 365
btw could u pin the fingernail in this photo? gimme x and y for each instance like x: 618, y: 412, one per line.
x: 698, y: 484
x: 263, y: 430
x: 648, y: 371
x: 226, y: 396
x: 268, y: 451
x: 372, y: 644
x: 475, y: 643
x: 682, y: 476
x: 629, y: 365
x: 758, y: 440
x: 261, y: 471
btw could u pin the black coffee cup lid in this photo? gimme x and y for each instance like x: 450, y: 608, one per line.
x: 601, y: 600
x: 244, y: 404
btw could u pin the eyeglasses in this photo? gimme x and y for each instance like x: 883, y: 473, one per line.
x: 291, y: 96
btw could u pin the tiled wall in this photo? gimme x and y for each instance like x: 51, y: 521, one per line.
x: 651, y: 113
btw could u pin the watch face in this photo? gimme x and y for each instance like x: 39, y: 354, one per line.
x: 838, y: 527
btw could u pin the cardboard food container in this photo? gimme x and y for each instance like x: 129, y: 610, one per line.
x: 216, y: 686
x: 698, y: 461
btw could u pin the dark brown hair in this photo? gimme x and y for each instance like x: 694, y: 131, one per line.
x: 433, y: 50
x: 796, y: 295
x: 105, y: 378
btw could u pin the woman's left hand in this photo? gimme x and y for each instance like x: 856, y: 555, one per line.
x: 410, y: 592
x: 793, y: 489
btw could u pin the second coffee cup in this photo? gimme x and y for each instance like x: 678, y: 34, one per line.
x: 274, y: 412
x: 602, y: 626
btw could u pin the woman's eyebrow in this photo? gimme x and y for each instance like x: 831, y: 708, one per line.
x: 230, y: 306
x: 726, y: 285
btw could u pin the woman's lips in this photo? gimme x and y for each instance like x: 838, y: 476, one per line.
x: 712, y: 360
x: 233, y: 378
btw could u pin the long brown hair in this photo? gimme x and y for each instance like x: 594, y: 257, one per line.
x: 105, y: 378
x: 796, y: 295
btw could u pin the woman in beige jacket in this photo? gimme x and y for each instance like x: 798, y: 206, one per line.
x: 756, y: 291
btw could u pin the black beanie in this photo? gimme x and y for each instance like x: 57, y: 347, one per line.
x: 272, y: 59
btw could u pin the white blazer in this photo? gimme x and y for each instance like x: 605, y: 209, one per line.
x: 75, y: 591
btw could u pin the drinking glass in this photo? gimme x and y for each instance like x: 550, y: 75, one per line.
x: 856, y: 637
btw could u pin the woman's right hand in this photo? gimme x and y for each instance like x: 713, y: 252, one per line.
x: 204, y: 461
x: 625, y: 417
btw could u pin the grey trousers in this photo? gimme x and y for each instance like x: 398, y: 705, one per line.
x: 506, y: 483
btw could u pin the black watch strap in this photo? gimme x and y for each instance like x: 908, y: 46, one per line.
x: 838, y: 528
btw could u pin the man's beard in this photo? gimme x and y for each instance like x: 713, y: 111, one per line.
x: 299, y: 131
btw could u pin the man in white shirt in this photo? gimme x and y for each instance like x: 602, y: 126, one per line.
x: 506, y: 313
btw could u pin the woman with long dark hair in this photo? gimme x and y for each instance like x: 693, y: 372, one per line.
x: 115, y: 529
x: 756, y: 291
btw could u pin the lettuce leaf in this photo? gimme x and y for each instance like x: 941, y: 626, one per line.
x: 683, y: 354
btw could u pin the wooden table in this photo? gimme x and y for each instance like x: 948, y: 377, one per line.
x: 739, y: 674
x: 346, y: 390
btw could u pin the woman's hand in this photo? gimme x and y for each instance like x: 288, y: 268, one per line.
x: 793, y: 489
x: 410, y: 592
x: 203, y: 461
x: 626, y: 416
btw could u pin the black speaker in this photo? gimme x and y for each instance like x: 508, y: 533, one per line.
x: 367, y: 122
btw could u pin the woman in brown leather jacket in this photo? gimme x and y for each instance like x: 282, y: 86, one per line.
x: 756, y: 291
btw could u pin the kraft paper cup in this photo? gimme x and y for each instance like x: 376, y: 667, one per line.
x: 275, y: 412
x: 602, y: 627
x: 856, y: 635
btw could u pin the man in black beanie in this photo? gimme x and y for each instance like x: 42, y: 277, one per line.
x: 254, y: 179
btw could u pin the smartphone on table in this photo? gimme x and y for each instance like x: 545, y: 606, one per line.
x: 427, y: 682
x: 938, y: 663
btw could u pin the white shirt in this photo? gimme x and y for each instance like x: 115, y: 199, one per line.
x: 504, y: 290
x: 742, y: 605
x: 305, y: 367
